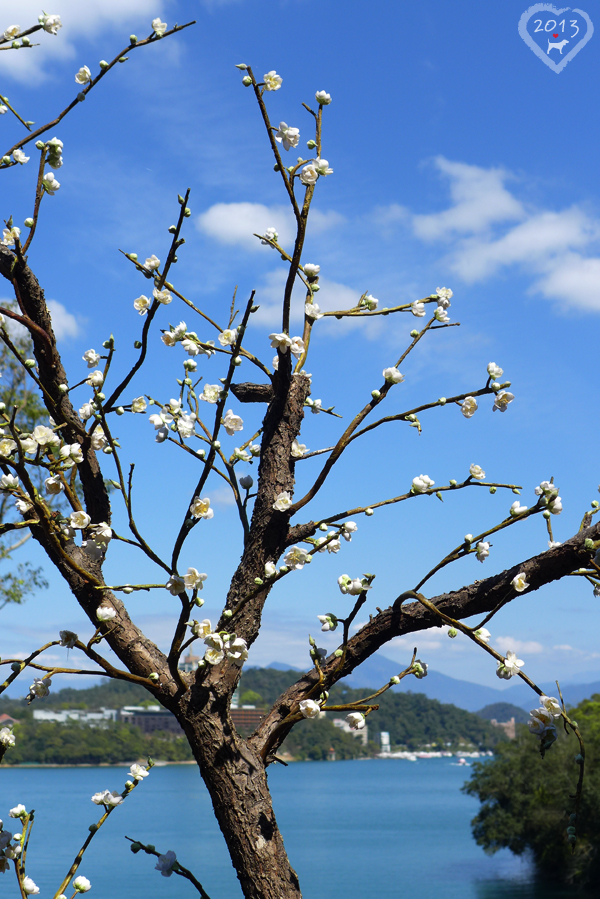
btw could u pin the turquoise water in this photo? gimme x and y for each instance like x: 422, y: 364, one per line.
x: 375, y: 828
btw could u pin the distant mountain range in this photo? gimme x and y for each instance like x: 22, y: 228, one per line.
x: 464, y: 694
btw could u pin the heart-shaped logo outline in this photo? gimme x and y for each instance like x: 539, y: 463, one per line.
x: 547, y: 7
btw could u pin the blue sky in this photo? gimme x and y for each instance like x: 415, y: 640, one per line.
x: 460, y: 160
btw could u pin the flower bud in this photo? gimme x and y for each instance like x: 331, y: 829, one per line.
x: 187, y: 212
x: 128, y: 589
x: 80, y: 97
x: 26, y: 42
x: 153, y: 676
x: 246, y: 482
x: 199, y: 602
x: 339, y: 653
x: 30, y: 363
x: 311, y: 144
x: 62, y: 388
x: 395, y: 679
x: 237, y: 360
x: 369, y: 511
x: 135, y: 847
x: 133, y: 257
x: 546, y: 514
x: 103, y: 64
x: 588, y: 544
x: 414, y: 333
x: 517, y: 491
x: 468, y: 538
x: 100, y: 396
x: 453, y: 483
x: 246, y: 80
x: 133, y: 38
x: 442, y: 401
x: 137, y: 344
x: 242, y: 66
x: 107, y: 450
x: 40, y: 144
x: 119, y: 410
x: 323, y: 526
x: 452, y: 632
x: 258, y: 581
x: 29, y: 223
x: 217, y: 444
x: 16, y: 666
x: 93, y: 828
x: 375, y: 394
x: 493, y: 490
x: 578, y: 758
x: 6, y: 160
x: 123, y: 59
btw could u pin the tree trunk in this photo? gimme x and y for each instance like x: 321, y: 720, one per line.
x: 236, y: 779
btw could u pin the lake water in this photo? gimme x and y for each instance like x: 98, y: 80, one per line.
x: 374, y: 828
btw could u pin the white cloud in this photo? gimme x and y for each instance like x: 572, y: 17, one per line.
x: 80, y: 18
x: 480, y: 199
x: 235, y: 224
x: 488, y: 230
x: 530, y: 647
x: 64, y: 323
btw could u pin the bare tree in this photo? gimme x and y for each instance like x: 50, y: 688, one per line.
x: 275, y: 522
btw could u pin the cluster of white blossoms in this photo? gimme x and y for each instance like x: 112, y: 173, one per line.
x: 11, y: 845
x: 185, y: 422
x: 108, y: 798
x: 220, y: 644
x: 7, y: 738
x: 421, y: 484
x: 316, y: 169
x: 509, y: 667
x: 549, y: 498
x: 283, y: 342
x: 353, y: 586
x: 541, y: 722
x: 193, y: 580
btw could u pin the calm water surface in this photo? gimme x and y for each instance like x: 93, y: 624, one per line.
x: 375, y: 828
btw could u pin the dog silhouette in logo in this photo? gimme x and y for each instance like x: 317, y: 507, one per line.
x: 557, y: 46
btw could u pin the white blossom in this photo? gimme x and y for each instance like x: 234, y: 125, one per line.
x: 392, y: 375
x: 200, y: 628
x: 323, y: 98
x: 232, y: 422
x: 12, y: 32
x: 228, y: 337
x: 6, y: 737
x: 441, y: 314
x: 444, y: 295
x: 356, y: 720
x: 469, y: 406
x: 418, y: 309
x: 494, y: 371
x: 269, y: 235
x: 551, y: 705
x: 272, y: 81
x: 44, y: 436
x: 280, y: 342
x: 517, y: 509
x: 287, y: 136
x: 511, y: 664
x: 20, y: 157
x: 138, y: 404
x: 297, y: 347
x: 501, y: 400
x: 95, y: 379
x: 193, y: 579
x: 29, y: 886
x: 9, y: 482
x: 186, y: 424
x: 352, y: 586
x: 483, y: 551
x: 7, y: 446
x: 282, y: 501
x: 175, y: 585
x: 51, y: 24
x: 54, y: 485
x: 142, y: 304
x: 79, y: 520
x: 165, y: 863
x: 312, y: 310
x: 519, y: 582
x: 237, y: 650
x: 477, y: 472
x: 50, y: 184
x: 311, y: 271
x: 81, y: 884
x: 483, y: 634
x: 83, y: 75
x: 19, y: 811
x: 9, y: 235
x: 322, y: 168
x: 211, y: 393
x: 295, y: 558
x: 270, y: 569
x: 162, y: 296
x: 329, y: 622
x: 151, y: 263
x: 298, y: 449
x: 68, y: 639
x: 105, y: 613
x: 421, y: 483
x: 40, y: 687
x: 309, y: 175
x: 215, y: 652
x: 200, y: 508
x: 99, y: 438
x: 349, y: 528
x: 309, y: 708
x: 159, y: 27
